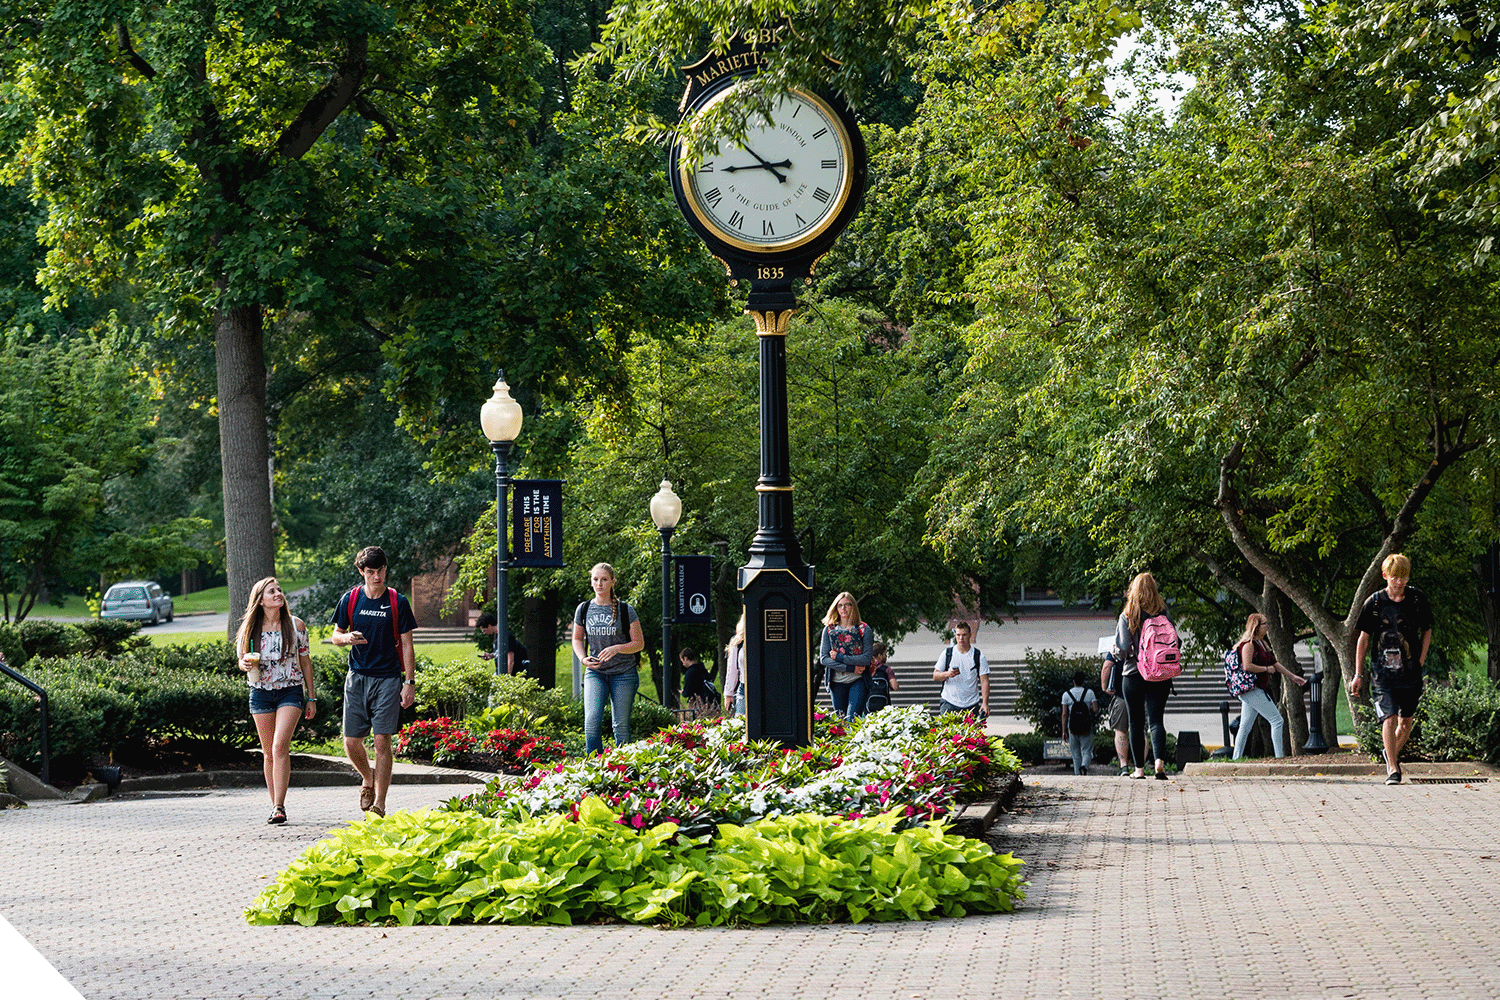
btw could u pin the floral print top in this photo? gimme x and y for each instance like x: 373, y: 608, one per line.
x: 280, y: 669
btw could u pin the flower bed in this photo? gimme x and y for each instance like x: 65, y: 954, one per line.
x: 701, y: 774
x: 695, y: 825
x: 444, y: 741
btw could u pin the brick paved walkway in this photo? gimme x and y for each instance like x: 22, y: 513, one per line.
x: 1197, y: 887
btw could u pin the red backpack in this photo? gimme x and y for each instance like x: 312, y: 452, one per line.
x: 1158, y: 650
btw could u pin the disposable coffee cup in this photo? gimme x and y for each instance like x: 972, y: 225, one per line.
x: 254, y: 672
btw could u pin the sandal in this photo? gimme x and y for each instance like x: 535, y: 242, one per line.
x: 278, y: 815
x: 376, y: 810
x: 366, y: 797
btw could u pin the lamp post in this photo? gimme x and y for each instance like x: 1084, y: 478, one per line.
x: 501, y: 419
x: 666, y: 511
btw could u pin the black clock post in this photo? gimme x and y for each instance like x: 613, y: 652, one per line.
x: 796, y: 200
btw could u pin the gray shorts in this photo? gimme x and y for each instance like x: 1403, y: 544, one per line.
x: 1119, y: 715
x: 371, y: 704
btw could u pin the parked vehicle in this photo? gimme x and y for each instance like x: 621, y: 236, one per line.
x: 137, y: 600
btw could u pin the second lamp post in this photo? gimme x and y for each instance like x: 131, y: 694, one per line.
x: 666, y: 511
x: 501, y: 418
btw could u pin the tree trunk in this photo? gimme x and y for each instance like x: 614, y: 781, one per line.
x: 539, y: 633
x: 1293, y: 703
x: 1489, y: 608
x: 249, y: 549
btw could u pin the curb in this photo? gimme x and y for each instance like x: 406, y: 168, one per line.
x: 976, y: 818
x: 1411, y: 770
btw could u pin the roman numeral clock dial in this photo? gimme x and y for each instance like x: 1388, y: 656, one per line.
x: 779, y: 189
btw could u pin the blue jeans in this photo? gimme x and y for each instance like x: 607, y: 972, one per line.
x: 849, y: 699
x: 1256, y: 702
x: 619, y: 690
x: 739, y: 701
x: 1082, y: 750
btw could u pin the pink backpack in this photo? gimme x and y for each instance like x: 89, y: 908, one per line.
x: 1158, y: 650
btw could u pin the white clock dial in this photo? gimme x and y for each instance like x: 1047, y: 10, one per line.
x: 780, y: 188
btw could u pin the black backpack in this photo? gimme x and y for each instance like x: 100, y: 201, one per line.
x: 1080, y: 715
x: 880, y: 694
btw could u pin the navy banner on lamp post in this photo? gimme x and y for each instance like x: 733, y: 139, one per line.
x: 693, y: 604
x: 536, y: 522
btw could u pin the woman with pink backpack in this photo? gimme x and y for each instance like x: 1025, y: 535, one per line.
x: 1150, y: 654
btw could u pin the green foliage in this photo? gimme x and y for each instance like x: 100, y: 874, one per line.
x: 521, y: 703
x: 105, y: 637
x: 1047, y: 675
x: 1457, y: 722
x: 68, y: 423
x: 456, y: 689
x: 444, y: 868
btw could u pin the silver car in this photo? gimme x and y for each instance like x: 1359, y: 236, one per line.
x: 137, y: 600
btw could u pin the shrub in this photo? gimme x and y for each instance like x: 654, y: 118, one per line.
x: 87, y: 712
x: 1046, y: 677
x: 48, y: 640
x: 1026, y: 746
x: 1461, y: 722
x: 455, y: 689
x: 11, y: 650
x: 442, y: 868
x: 111, y: 637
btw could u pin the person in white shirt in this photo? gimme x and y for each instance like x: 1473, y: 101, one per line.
x: 1079, y: 708
x: 965, y: 674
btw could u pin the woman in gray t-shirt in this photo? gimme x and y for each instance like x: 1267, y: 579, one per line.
x: 606, y: 638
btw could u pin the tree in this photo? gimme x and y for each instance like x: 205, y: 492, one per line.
x: 68, y: 423
x: 260, y: 167
x: 1247, y: 349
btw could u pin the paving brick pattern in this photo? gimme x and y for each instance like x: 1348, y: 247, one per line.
x: 1197, y: 887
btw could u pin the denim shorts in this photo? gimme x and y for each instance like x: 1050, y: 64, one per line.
x: 265, y: 701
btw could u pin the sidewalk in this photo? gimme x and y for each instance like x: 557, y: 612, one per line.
x: 1137, y: 889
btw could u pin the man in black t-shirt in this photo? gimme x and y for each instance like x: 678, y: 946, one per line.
x: 1395, y: 629
x: 515, y: 654
x: 382, y: 676
x: 695, y: 682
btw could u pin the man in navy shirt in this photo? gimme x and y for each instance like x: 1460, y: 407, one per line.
x: 375, y: 623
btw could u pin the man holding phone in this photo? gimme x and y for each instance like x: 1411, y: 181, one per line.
x: 375, y: 623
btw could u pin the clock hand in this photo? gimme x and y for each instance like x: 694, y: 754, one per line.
x: 761, y: 166
x: 767, y: 164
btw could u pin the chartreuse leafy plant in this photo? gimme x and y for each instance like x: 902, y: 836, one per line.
x: 460, y: 867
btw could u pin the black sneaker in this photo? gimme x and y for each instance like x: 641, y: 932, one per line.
x: 1394, y: 778
x: 1083, y: 770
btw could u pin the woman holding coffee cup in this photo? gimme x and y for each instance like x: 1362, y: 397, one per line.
x: 273, y: 649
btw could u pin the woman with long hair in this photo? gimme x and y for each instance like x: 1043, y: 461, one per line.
x: 1145, y: 701
x: 734, y: 670
x: 606, y: 638
x: 273, y: 651
x: 847, y: 649
x: 1257, y: 657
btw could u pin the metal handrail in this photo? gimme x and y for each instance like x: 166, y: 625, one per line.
x: 46, y: 742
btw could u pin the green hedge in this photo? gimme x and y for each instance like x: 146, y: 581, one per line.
x: 34, y: 638
x: 99, y: 705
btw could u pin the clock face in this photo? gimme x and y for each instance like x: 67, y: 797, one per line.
x: 783, y: 186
